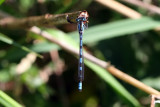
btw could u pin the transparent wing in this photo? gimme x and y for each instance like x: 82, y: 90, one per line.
x: 85, y: 25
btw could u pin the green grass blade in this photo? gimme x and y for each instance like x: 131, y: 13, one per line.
x: 117, y: 29
x: 9, y: 41
x: 44, y: 47
x: 108, y: 78
x: 8, y: 101
x: 38, y: 47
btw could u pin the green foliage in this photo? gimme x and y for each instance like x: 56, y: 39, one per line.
x: 114, y: 84
x: 129, y: 44
x: 9, y: 41
x: 44, y: 47
x: 1, y: 1
x: 118, y: 28
x: 98, y: 70
x: 152, y: 82
x: 8, y: 101
x: 6, y: 76
x: 25, y: 5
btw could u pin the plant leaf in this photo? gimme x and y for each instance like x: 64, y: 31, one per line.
x: 44, y: 47
x: 117, y: 29
x: 9, y: 41
x: 8, y: 101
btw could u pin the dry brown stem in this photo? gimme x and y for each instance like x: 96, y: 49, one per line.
x: 44, y: 20
x: 120, y: 8
x: 149, y: 7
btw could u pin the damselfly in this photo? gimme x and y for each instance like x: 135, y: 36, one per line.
x: 82, y: 23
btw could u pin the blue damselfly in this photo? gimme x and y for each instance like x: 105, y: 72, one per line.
x: 82, y: 23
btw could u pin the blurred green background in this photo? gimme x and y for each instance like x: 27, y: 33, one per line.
x: 132, y: 46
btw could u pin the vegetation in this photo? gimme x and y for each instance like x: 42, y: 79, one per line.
x: 38, y: 72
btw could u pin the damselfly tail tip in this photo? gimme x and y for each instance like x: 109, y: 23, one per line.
x: 80, y: 86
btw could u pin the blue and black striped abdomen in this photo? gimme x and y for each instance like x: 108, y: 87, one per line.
x: 81, y: 63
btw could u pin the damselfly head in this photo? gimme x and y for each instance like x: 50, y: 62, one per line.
x: 85, y: 15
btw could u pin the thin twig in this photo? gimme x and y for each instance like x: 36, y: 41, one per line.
x: 114, y: 71
x: 120, y: 8
x: 125, y: 77
x: 45, y: 20
x: 147, y: 6
x: 68, y: 47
